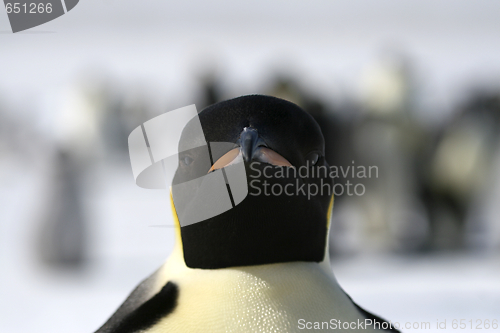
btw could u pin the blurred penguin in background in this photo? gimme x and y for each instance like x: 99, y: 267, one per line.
x: 94, y: 122
x: 64, y: 230
x: 387, y: 136
x: 460, y: 172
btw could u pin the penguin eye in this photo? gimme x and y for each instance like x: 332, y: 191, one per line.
x: 312, y: 158
x: 187, y: 160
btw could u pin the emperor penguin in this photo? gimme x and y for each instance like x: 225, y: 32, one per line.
x: 261, y: 265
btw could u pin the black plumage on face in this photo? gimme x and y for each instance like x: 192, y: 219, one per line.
x: 264, y: 133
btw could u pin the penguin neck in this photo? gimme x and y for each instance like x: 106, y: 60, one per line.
x: 176, y: 258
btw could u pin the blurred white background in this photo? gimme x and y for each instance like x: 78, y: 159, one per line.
x: 412, y: 87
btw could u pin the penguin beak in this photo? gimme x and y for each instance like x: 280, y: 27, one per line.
x: 249, y: 143
x: 251, y: 148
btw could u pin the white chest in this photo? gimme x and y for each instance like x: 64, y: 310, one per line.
x: 268, y: 298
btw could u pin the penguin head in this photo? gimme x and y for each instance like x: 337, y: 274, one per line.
x: 259, y: 192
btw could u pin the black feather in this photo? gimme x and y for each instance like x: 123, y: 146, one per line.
x: 147, y: 314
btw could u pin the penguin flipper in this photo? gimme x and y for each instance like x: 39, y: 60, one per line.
x: 374, y: 318
x: 142, y: 309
